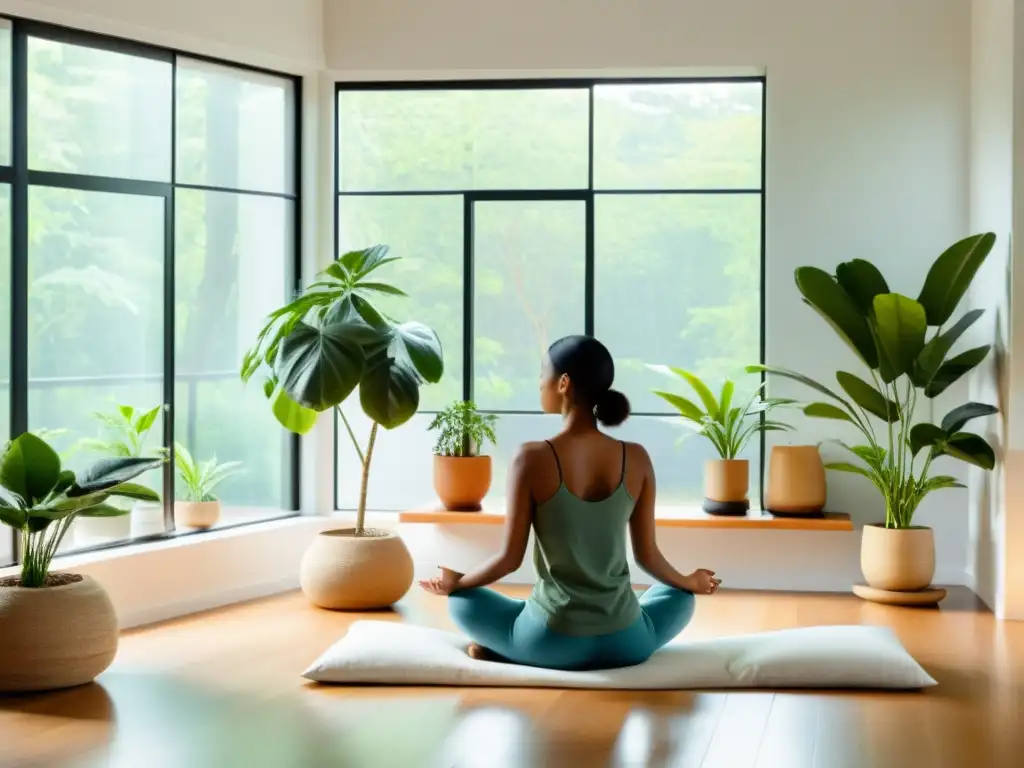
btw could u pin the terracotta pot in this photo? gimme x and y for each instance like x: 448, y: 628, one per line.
x: 55, y: 637
x: 344, y: 572
x: 196, y: 514
x: 897, y: 559
x: 726, y: 479
x: 796, y: 480
x: 461, y: 482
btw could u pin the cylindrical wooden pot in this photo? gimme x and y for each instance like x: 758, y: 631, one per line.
x: 897, y: 559
x: 796, y: 480
x: 341, y: 571
x: 55, y: 637
x: 726, y: 479
x: 461, y: 482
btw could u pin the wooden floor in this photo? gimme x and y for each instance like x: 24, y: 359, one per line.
x: 222, y: 689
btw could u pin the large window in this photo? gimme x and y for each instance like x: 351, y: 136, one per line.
x: 530, y: 210
x: 148, y: 223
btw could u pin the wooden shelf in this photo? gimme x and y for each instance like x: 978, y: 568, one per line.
x: 674, y: 518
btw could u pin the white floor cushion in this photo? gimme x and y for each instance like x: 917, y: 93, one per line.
x: 391, y: 653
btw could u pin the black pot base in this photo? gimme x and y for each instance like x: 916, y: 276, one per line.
x: 803, y: 515
x: 726, y: 508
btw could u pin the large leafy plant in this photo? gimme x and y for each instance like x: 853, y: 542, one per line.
x: 462, y: 430
x: 331, y: 340
x: 41, y: 499
x: 906, y: 346
x: 727, y: 426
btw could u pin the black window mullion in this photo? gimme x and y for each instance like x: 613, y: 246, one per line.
x: 86, y: 183
x: 293, y: 284
x: 468, y: 283
x: 169, y: 362
x: 19, y: 245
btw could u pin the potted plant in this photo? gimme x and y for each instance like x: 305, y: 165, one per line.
x: 906, y: 346
x: 462, y: 476
x: 319, y: 349
x: 200, y: 508
x: 58, y: 629
x: 728, y: 427
x: 126, y: 433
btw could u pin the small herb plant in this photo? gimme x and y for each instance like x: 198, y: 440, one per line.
x: 128, y: 431
x: 40, y: 499
x: 463, y: 430
x: 201, y: 478
x: 728, y: 427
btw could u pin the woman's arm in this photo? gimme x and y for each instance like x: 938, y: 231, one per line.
x: 518, y: 519
x: 645, y: 547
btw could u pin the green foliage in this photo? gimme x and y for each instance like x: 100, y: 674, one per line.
x: 728, y: 427
x: 41, y: 499
x: 332, y: 339
x: 201, y: 478
x: 127, y: 432
x: 889, y: 333
x: 463, y: 430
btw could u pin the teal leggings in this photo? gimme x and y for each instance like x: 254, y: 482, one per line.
x: 517, y: 630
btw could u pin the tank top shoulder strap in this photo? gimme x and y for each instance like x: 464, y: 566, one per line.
x: 557, y: 462
x: 622, y: 480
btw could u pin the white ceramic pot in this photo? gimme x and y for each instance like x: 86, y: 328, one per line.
x: 94, y: 531
x: 345, y: 572
x: 147, y: 518
x: 196, y: 514
x: 55, y: 637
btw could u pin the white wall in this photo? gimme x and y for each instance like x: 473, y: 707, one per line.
x: 279, y: 34
x: 867, y: 156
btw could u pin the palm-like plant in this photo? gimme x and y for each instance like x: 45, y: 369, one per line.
x: 727, y: 426
x: 330, y: 340
x: 41, y: 499
x: 128, y: 429
x: 201, y: 478
x: 889, y: 333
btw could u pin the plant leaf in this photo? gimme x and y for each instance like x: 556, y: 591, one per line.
x: 30, y: 468
x: 862, y: 281
x: 134, y: 491
x: 13, y: 516
x: 951, y: 275
x: 925, y: 435
x: 935, y: 351
x: 826, y: 411
x: 703, y: 392
x: 103, y: 510
x: 390, y: 290
x: 951, y: 370
x: 955, y: 419
x: 868, y: 398
x: 969, y: 448
x: 106, y: 473
x: 319, y: 367
x: 687, y: 408
x: 839, y: 310
x: 842, y: 466
x: 788, y: 374
x: 725, y: 399
x: 938, y: 482
x: 899, y: 324
x: 389, y: 391
x: 421, y: 346
x: 288, y: 413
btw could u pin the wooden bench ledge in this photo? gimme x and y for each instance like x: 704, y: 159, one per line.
x: 674, y: 518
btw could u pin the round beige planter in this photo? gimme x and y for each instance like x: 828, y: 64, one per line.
x: 341, y: 571
x: 796, y: 480
x: 461, y: 482
x: 897, y: 559
x: 196, y: 514
x: 726, y: 479
x: 55, y: 637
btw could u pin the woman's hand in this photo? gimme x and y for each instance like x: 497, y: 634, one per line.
x: 444, y: 584
x: 703, y: 582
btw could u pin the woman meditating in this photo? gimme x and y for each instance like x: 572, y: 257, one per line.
x: 578, y: 491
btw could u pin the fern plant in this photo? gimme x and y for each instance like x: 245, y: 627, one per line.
x: 463, y: 430
x: 201, y: 478
x: 727, y: 427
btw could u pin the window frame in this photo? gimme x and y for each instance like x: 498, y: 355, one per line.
x: 20, y: 178
x: 587, y: 194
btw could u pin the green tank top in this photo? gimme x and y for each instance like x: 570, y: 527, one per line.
x: 583, y: 585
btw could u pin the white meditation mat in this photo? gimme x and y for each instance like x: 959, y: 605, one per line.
x: 390, y: 653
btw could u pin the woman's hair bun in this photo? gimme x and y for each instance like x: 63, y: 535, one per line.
x: 612, y: 408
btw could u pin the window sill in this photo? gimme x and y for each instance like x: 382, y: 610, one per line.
x: 668, y: 517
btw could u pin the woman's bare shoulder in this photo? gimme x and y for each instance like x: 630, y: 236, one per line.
x: 637, y: 454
